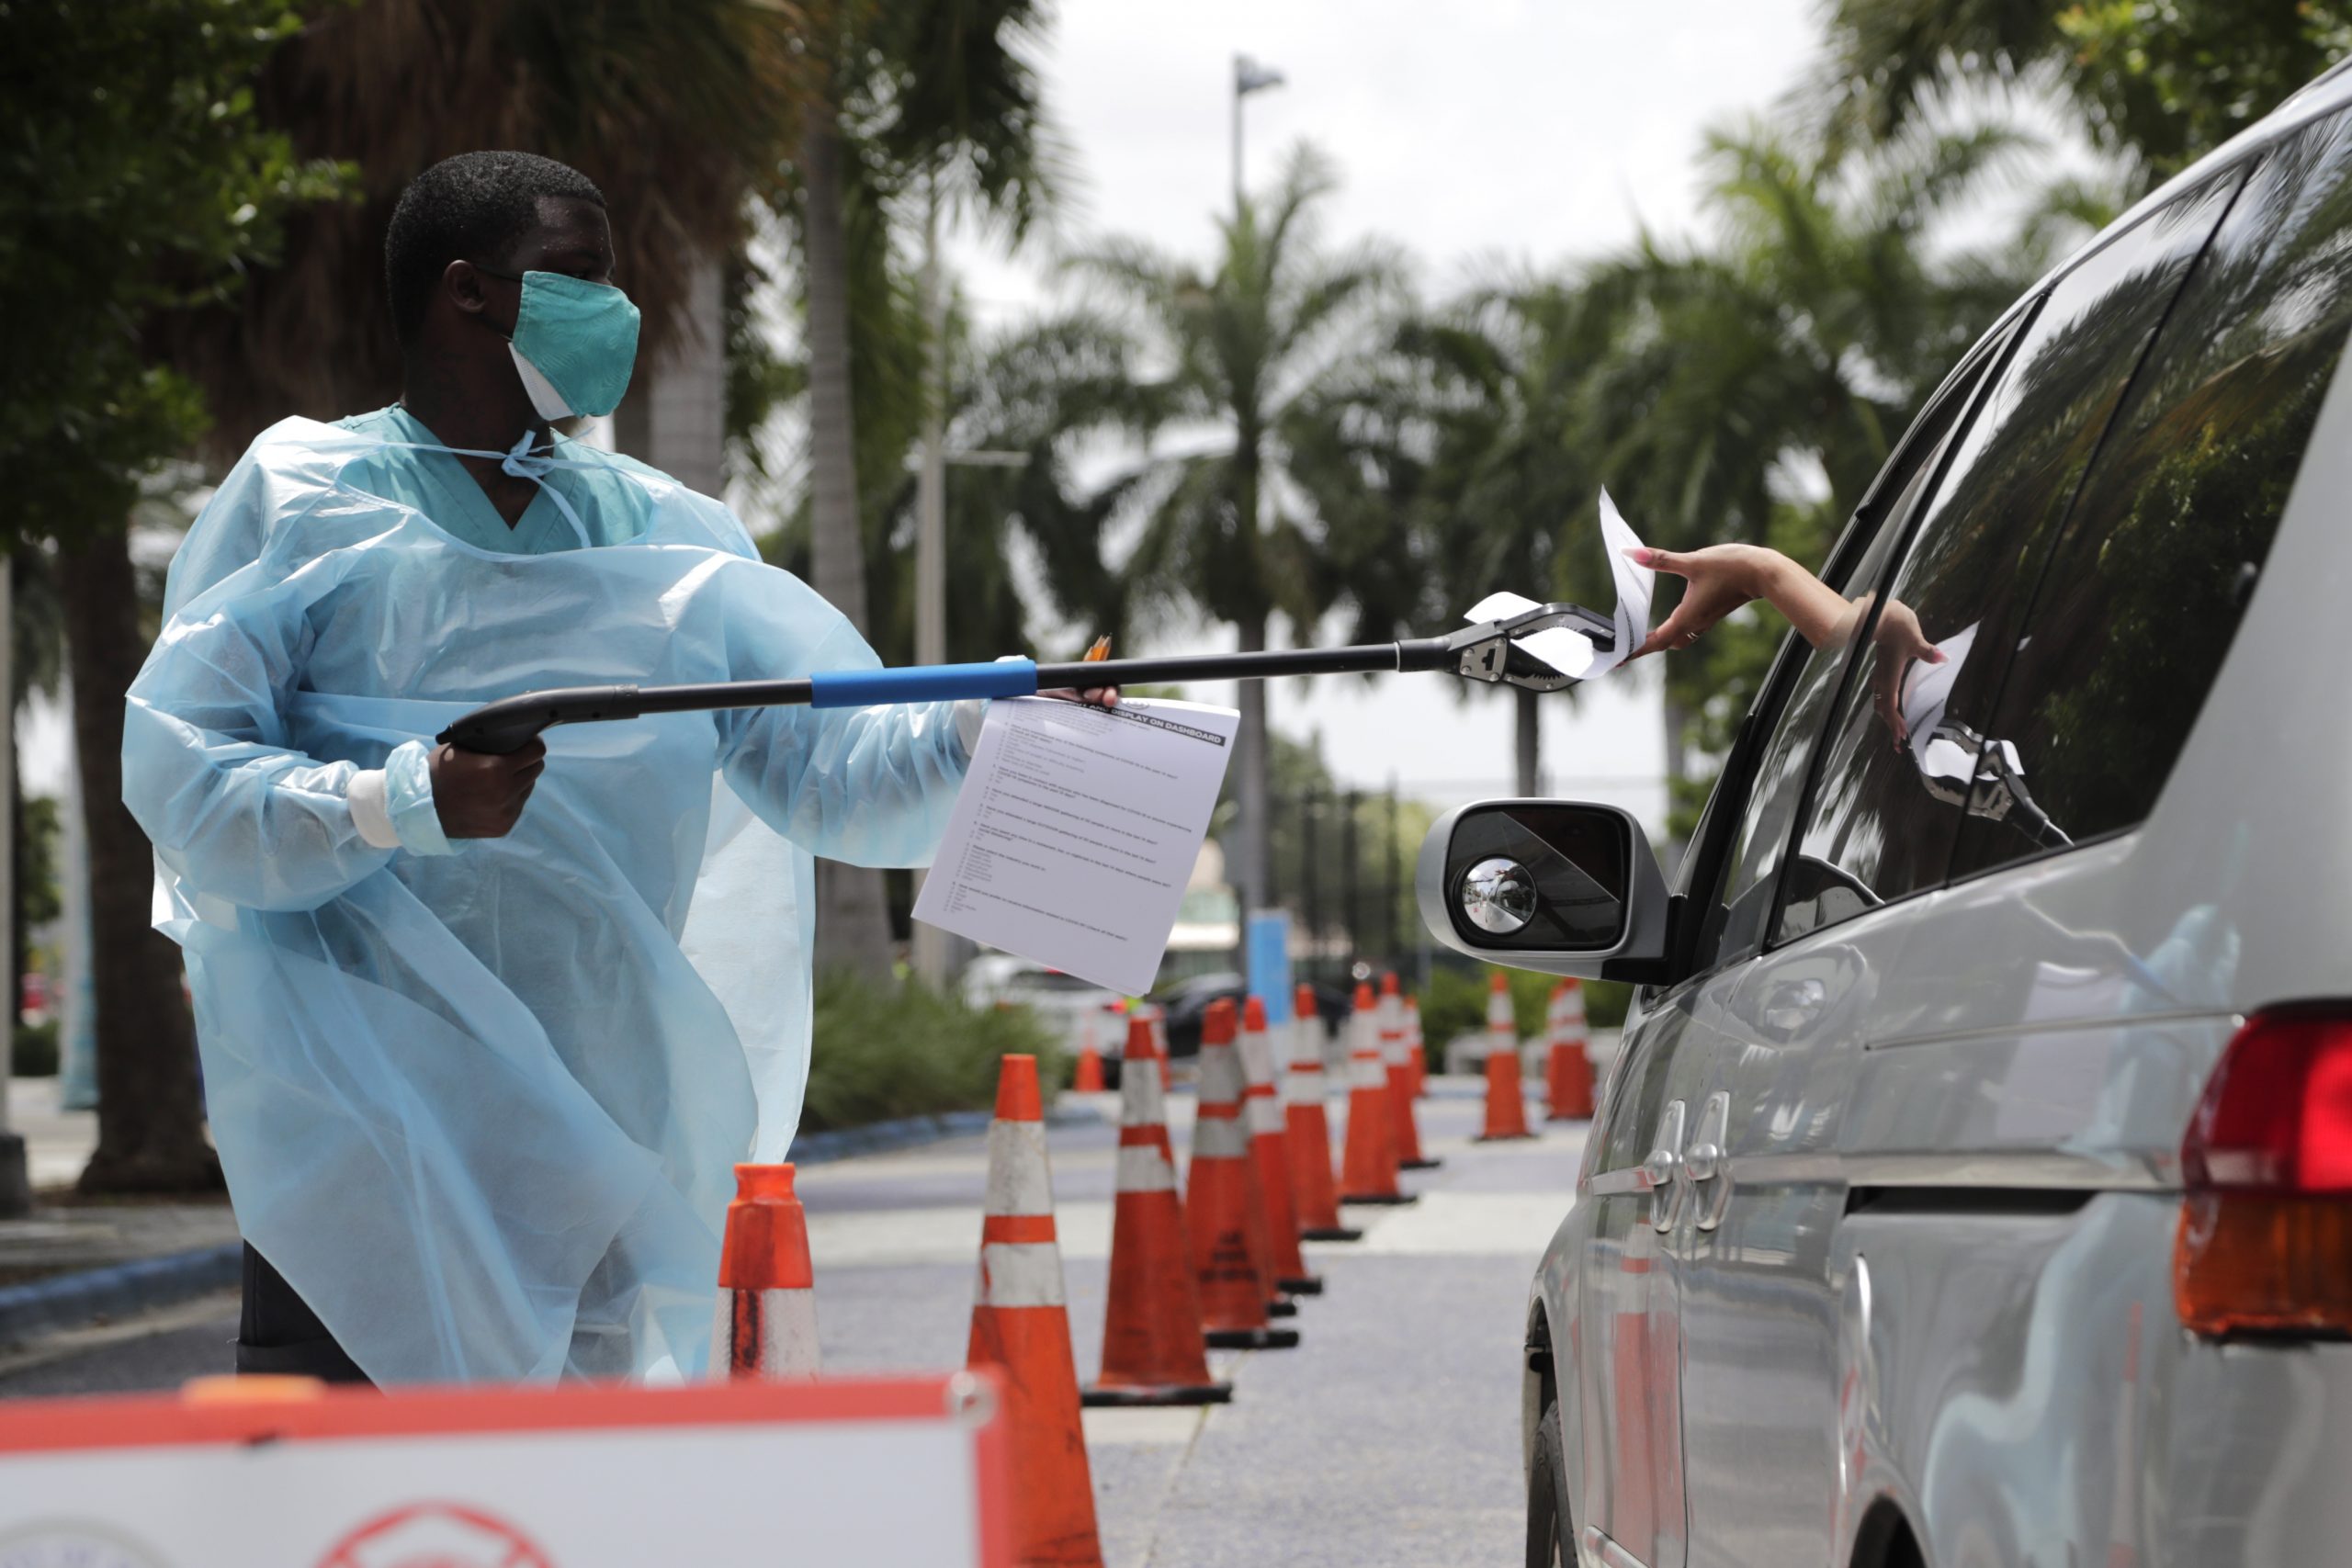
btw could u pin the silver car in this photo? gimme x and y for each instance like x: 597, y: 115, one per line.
x: 1975, y: 1184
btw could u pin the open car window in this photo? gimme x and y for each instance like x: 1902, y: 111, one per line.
x: 1738, y: 848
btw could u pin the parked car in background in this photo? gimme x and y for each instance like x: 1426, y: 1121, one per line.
x: 1187, y: 1002
x: 1060, y: 1001
x: 1973, y: 1185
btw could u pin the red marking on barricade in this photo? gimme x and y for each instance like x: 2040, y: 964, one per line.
x: 499, y: 1544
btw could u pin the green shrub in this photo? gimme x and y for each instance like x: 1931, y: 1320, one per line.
x: 1454, y: 1002
x: 883, y: 1051
x: 35, y: 1051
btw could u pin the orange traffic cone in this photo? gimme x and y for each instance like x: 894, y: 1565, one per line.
x: 765, y: 1326
x: 1369, y: 1167
x: 1270, y: 1147
x: 1021, y: 1326
x: 1505, y: 1101
x: 1087, y: 1078
x: 1400, y: 1066
x: 1309, y: 1128
x: 1567, y: 1072
x: 1230, y: 1249
x: 1416, y: 1048
x: 1152, y: 1349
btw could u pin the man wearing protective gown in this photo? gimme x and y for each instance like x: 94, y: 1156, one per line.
x: 482, y: 1037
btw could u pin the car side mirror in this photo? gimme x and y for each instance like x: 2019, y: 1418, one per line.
x: 1555, y: 885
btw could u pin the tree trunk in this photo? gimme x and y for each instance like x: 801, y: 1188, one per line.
x: 853, y: 919
x: 1527, y: 740
x: 1250, y: 791
x: 151, y: 1105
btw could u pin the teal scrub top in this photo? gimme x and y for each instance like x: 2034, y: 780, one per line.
x: 610, y: 506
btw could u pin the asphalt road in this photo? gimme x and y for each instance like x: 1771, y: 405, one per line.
x: 1388, y: 1437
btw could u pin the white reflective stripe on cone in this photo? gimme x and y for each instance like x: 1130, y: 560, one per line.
x: 1265, y: 1112
x: 1018, y: 1182
x: 1020, y: 1274
x: 1219, y: 1077
x: 786, y: 1334
x: 1145, y: 1170
x: 1365, y: 1070
x: 1302, y: 1085
x: 1219, y: 1138
x: 1140, y: 1102
x: 1257, y: 1059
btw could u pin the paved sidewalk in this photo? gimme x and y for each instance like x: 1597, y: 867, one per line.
x: 65, y: 1234
x: 57, y: 1141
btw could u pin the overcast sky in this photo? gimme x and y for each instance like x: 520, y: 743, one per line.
x: 1479, y: 132
x: 1472, y: 133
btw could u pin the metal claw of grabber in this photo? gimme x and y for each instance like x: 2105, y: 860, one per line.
x: 1488, y: 651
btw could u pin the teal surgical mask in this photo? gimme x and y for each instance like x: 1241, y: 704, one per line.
x: 574, y: 342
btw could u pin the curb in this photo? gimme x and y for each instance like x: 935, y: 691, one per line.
x: 78, y: 1299
x: 118, y: 1290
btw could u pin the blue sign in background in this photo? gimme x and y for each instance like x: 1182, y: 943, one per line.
x: 1266, y: 951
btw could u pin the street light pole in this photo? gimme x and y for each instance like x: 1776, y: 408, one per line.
x: 1249, y: 77
x: 933, y: 959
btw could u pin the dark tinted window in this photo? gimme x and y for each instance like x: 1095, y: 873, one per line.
x: 1736, y: 923
x: 2156, y: 564
x: 1887, y: 796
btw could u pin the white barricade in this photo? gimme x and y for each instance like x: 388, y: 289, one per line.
x: 836, y: 1474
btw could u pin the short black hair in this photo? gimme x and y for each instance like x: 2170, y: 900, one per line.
x: 468, y: 208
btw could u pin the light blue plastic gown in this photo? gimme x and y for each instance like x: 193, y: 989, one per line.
x: 478, y: 1101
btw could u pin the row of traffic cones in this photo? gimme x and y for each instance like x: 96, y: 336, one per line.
x: 1087, y: 1078
x: 1567, y: 1065
x: 1260, y: 1181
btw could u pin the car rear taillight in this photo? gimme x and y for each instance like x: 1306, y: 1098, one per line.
x: 2266, y: 1225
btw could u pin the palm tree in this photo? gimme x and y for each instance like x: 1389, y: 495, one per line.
x: 1248, y: 345
x: 1030, y: 398
x: 2157, y: 86
x: 940, y: 91
x: 1488, y: 431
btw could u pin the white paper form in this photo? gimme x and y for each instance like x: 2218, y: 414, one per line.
x: 1926, y: 691
x: 1571, y: 652
x: 1076, y: 832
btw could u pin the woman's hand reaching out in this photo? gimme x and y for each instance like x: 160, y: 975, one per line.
x: 1899, y: 641
x: 1722, y: 578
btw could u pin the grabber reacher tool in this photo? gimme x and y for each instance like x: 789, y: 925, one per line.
x: 1488, y: 651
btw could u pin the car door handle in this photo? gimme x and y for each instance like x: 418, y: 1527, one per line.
x: 1662, y: 1176
x: 1706, y: 1162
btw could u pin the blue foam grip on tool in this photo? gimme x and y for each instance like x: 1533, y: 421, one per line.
x: 924, y: 683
